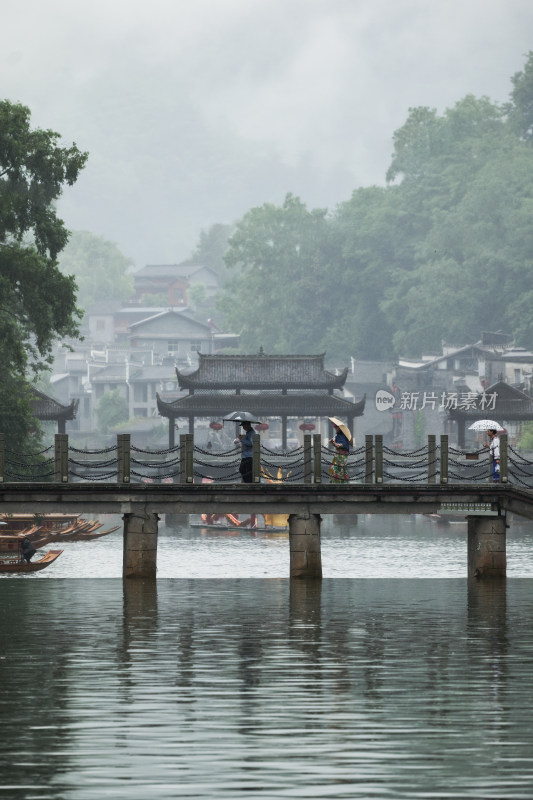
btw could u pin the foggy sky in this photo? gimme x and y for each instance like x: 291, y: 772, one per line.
x: 193, y: 111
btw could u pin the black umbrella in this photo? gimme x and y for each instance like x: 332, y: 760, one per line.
x: 241, y: 416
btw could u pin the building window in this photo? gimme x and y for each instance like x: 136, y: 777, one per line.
x: 140, y: 393
x: 196, y: 347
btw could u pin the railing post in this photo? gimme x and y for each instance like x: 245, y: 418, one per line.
x: 123, y: 457
x: 2, y: 456
x: 369, y: 455
x: 504, y: 463
x: 183, y: 451
x: 444, y: 458
x: 189, y: 458
x: 432, y: 458
x: 317, y: 458
x: 256, y: 458
x: 308, y: 459
x: 379, y: 457
x: 61, y: 458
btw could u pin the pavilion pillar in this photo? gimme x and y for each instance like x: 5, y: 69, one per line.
x: 486, y: 547
x: 284, y: 432
x: 304, y: 546
x: 171, y: 432
x: 461, y: 431
x: 140, y: 545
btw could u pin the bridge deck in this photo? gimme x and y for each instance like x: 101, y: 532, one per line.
x: 113, y: 498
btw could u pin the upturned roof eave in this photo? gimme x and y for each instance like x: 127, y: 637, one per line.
x: 272, y: 406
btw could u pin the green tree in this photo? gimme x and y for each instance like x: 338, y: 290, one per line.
x: 197, y: 294
x: 100, y: 269
x: 37, y: 302
x: 371, y: 231
x: 465, y: 189
x: 442, y: 252
x: 520, y: 108
x: 212, y: 247
x: 111, y: 410
x: 525, y: 441
x: 279, y: 296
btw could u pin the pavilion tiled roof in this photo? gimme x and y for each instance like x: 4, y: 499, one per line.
x: 261, y: 372
x: 47, y: 408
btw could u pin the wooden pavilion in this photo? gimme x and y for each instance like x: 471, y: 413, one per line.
x: 46, y: 408
x: 265, y: 385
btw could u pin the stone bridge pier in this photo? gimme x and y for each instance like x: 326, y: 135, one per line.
x: 487, y: 556
x: 140, y: 545
x: 304, y: 545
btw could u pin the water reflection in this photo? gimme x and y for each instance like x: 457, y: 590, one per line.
x: 266, y: 688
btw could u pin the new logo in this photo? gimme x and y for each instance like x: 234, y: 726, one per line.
x: 384, y: 400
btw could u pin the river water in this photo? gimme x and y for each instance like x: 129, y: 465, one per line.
x: 394, y: 677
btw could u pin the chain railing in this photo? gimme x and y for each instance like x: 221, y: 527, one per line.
x: 371, y: 463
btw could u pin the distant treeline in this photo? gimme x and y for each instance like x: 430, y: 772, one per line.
x: 441, y: 252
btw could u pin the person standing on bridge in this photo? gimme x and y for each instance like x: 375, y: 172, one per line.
x: 494, y: 452
x: 246, y: 440
x: 338, y: 471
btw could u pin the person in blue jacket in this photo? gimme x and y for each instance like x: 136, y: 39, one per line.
x: 246, y: 440
x: 338, y: 471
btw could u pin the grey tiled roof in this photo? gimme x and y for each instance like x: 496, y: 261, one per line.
x: 260, y: 372
x: 47, y: 408
x: 271, y: 405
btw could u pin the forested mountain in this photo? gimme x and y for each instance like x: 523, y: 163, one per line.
x: 443, y: 251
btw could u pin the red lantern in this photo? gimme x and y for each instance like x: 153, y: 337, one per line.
x: 262, y: 426
x: 216, y: 426
x: 307, y: 426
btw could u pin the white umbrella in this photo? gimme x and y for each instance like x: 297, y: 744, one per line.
x: 485, y: 425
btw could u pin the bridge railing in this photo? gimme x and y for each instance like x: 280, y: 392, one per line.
x: 372, y: 462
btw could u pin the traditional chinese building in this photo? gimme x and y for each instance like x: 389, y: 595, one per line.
x: 265, y: 385
x: 436, y: 392
x: 47, y: 409
x: 500, y: 402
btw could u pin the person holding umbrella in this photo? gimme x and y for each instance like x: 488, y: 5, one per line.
x: 245, y: 419
x: 493, y: 430
x: 246, y: 440
x: 494, y: 450
x: 338, y: 472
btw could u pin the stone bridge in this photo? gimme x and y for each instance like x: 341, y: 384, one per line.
x: 485, y: 506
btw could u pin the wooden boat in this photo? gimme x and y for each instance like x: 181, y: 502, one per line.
x: 221, y: 527
x: 55, y: 528
x: 43, y: 541
x: 11, y: 559
x: 43, y: 535
x: 84, y: 536
x: 5, y: 530
x: 230, y: 522
x: 32, y: 566
x: 53, y: 521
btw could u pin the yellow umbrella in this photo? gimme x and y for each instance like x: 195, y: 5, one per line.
x: 344, y: 428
